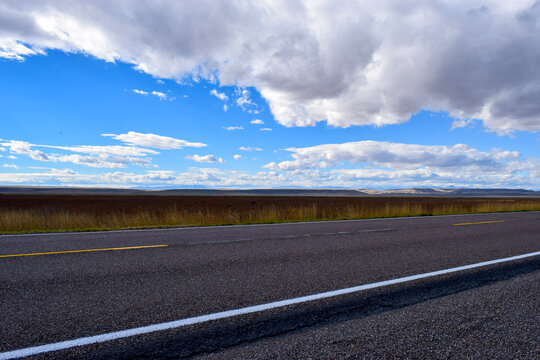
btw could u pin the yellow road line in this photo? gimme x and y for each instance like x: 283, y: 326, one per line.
x: 481, y: 222
x: 85, y: 250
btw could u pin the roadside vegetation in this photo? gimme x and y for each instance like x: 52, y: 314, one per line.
x: 48, y: 213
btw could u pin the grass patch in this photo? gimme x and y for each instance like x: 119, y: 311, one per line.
x: 52, y: 213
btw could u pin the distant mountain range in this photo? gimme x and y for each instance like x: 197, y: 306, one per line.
x: 276, y: 192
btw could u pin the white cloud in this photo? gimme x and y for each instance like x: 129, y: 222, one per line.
x: 220, y: 96
x: 13, y: 166
x: 159, y: 81
x: 365, y: 62
x: 160, y: 95
x: 15, y: 50
x: 153, y: 140
x: 397, y: 156
x: 265, y: 129
x: 12, y: 157
x: 231, y: 128
x: 225, y: 107
x: 109, y: 156
x: 237, y: 157
x: 249, y: 148
x: 527, y: 177
x: 104, y: 150
x: 140, y: 92
x: 257, y: 121
x: 97, y: 156
x: 243, y: 99
x: 25, y: 148
x: 205, y: 158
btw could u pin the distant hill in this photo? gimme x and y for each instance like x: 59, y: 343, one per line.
x: 454, y: 192
x: 275, y: 192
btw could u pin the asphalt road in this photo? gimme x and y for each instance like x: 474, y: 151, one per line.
x: 487, y: 312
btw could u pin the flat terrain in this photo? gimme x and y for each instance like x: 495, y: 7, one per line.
x: 50, y: 212
x: 488, y: 312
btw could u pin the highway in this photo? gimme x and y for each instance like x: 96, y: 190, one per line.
x: 75, y: 286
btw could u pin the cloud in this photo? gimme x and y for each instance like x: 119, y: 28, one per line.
x: 13, y: 166
x: 396, y: 156
x: 205, y: 158
x: 96, y: 156
x: 140, y: 92
x: 527, y: 176
x: 249, y: 148
x: 220, y: 96
x: 231, y: 128
x: 25, y: 148
x: 104, y: 150
x: 354, y: 63
x: 243, y: 99
x: 153, y: 140
x: 237, y: 157
x: 265, y: 129
x: 16, y: 50
x: 257, y: 121
x: 160, y: 95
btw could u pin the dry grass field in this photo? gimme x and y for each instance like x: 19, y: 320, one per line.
x: 41, y: 213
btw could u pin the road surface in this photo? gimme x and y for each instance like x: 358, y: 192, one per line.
x: 64, y: 287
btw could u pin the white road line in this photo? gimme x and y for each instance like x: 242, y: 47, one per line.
x: 236, y: 312
x: 257, y: 225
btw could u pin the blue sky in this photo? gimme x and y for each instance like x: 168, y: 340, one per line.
x: 79, y: 110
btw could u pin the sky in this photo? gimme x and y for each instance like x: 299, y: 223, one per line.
x: 270, y: 94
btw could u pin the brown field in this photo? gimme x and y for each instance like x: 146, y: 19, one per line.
x: 41, y: 213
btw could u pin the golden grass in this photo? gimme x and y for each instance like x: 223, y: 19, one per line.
x: 35, y: 213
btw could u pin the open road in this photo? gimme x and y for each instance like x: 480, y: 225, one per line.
x: 307, y: 290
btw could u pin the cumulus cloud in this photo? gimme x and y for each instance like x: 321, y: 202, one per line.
x: 249, y: 148
x: 265, y: 129
x: 25, y: 148
x: 365, y: 62
x: 15, y: 50
x: 159, y: 94
x: 237, y: 157
x: 395, y: 156
x: 243, y: 99
x: 257, y: 122
x: 220, y: 96
x: 95, y: 156
x: 108, y: 156
x: 153, y: 140
x: 232, y: 128
x: 104, y: 150
x: 205, y: 158
x: 13, y: 166
x: 527, y: 177
x: 140, y: 92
